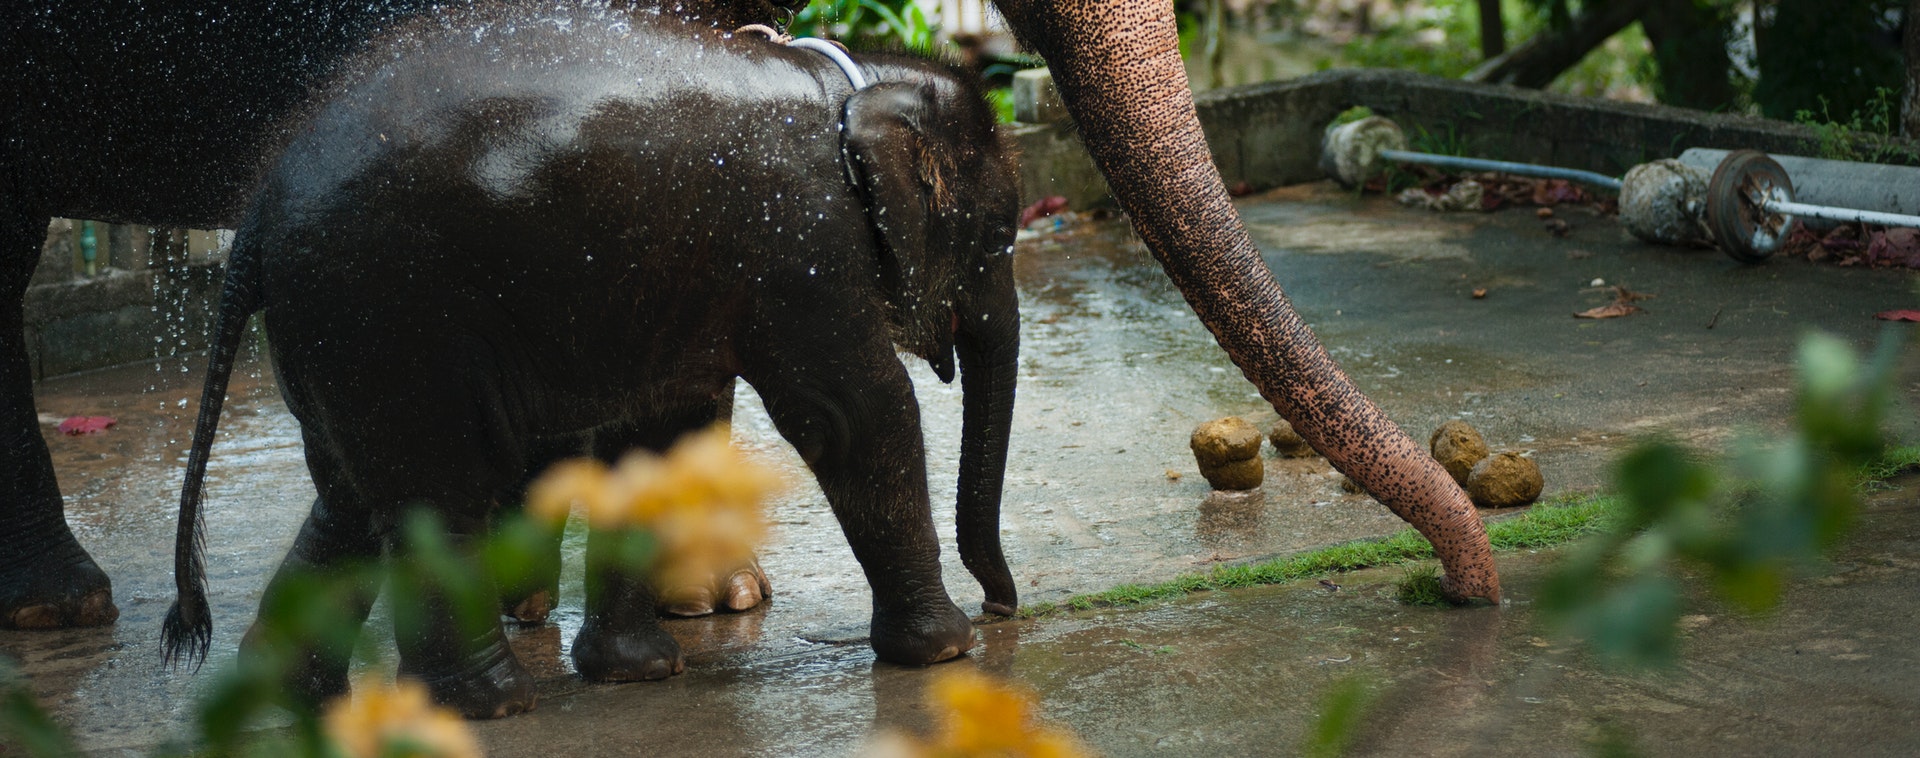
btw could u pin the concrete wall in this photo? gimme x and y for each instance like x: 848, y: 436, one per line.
x: 1269, y: 134
x: 144, y: 295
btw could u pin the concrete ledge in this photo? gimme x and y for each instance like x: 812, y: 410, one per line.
x: 119, y: 317
x: 1268, y: 134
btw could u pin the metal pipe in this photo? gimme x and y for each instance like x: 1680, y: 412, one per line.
x: 1522, y: 169
x: 1845, y: 215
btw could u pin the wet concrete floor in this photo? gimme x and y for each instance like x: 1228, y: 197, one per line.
x: 1115, y: 374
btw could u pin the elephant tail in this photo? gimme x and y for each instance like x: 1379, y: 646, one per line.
x: 188, y: 631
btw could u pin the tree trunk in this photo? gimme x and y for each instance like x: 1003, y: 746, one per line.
x: 1690, y: 47
x: 1493, y: 30
x: 1536, y: 62
x: 1910, y: 46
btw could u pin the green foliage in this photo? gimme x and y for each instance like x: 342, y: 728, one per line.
x: 1351, y: 115
x: 1341, y: 709
x: 1826, y: 55
x: 1748, y: 523
x: 1865, y: 135
x: 866, y: 23
x: 1420, y: 585
x: 24, y: 727
x: 315, y: 616
x: 1442, y: 38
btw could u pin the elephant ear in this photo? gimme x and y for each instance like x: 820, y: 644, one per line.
x: 905, y: 178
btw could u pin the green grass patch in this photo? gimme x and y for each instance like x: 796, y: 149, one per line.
x: 1420, y: 585
x: 1543, y: 525
x: 1554, y: 522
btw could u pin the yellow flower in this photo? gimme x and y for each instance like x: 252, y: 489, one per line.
x: 381, y: 720
x: 701, y: 502
x: 980, y: 718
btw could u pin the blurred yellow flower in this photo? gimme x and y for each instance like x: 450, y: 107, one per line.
x: 980, y: 718
x: 701, y: 502
x: 382, y: 720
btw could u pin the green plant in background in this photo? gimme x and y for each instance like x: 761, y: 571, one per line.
x: 1748, y: 523
x: 866, y: 23
x: 1865, y: 135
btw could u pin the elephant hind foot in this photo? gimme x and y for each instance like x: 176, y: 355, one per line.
x: 929, y: 635
x: 647, y: 654
x: 57, y: 589
x: 309, y: 676
x: 532, y: 609
x: 742, y: 589
x: 496, y: 688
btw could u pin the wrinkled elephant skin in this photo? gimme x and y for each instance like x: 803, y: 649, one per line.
x: 543, y: 224
x: 153, y: 112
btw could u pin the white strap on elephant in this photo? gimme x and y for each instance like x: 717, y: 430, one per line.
x: 832, y: 50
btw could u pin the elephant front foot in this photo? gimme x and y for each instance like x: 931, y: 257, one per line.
x: 491, y: 685
x: 57, y: 587
x: 602, y: 654
x: 930, y: 634
x: 741, y: 589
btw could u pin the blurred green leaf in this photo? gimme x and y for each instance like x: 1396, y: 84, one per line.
x: 24, y: 726
x: 1341, y: 710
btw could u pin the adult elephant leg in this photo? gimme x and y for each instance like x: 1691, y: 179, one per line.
x: 338, y: 533
x: 1117, y: 64
x: 47, y: 580
x: 734, y: 588
x: 531, y: 602
x: 853, y: 417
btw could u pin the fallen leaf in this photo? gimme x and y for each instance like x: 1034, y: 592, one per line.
x: 1610, y: 310
x: 1559, y: 228
x: 1622, y: 304
x: 77, y: 425
x: 1479, y: 292
x: 1902, y: 315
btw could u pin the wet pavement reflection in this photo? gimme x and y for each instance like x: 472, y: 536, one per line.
x: 1101, y: 490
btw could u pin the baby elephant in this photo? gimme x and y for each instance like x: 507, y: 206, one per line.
x: 502, y: 231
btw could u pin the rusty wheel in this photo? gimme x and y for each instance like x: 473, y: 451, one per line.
x: 1743, y: 182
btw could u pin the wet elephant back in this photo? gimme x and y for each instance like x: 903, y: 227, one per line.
x: 621, y: 188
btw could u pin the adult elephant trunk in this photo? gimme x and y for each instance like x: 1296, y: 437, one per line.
x: 989, y: 363
x: 1117, y: 65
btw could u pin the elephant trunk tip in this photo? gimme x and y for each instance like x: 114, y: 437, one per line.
x: 1462, y: 587
x: 999, y: 609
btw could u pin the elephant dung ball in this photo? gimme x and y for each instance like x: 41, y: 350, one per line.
x: 1457, y: 446
x: 1287, y: 442
x: 1504, y: 481
x: 1228, y: 451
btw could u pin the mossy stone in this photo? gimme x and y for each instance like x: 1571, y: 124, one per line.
x: 1458, y: 447
x: 1287, y: 442
x: 1504, y: 481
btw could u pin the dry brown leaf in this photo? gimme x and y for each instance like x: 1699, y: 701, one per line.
x: 1614, y: 309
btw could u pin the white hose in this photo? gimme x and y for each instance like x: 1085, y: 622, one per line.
x: 835, y: 54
